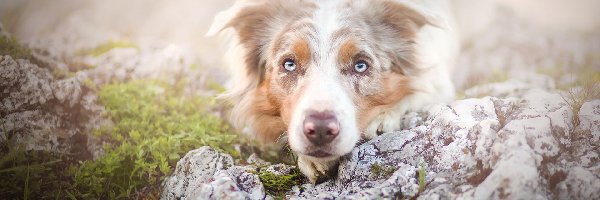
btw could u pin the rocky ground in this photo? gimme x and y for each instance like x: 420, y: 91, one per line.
x: 522, y: 147
x: 526, y: 125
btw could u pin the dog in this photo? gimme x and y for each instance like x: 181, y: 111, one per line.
x: 329, y: 73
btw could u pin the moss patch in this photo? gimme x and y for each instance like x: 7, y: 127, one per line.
x: 378, y: 170
x: 10, y: 46
x: 154, y: 125
x: 277, y: 185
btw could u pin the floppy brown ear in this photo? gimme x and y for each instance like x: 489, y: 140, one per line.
x: 256, y: 22
x: 406, y: 15
x: 250, y: 20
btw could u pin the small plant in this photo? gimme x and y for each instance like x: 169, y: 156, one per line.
x: 422, y: 175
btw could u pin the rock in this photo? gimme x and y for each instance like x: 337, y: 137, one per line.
x: 24, y: 84
x: 42, y: 112
x: 521, y: 147
x: 205, y: 173
x: 233, y: 183
x: 589, y: 121
x: 577, y: 185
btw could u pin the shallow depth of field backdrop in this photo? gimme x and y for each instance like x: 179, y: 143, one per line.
x: 101, y: 98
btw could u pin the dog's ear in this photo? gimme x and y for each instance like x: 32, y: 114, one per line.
x: 403, y: 14
x: 250, y: 20
x: 399, y: 22
x: 256, y: 22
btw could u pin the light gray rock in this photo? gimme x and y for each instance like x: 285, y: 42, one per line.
x: 194, y: 169
x: 234, y: 183
x: 521, y: 147
x: 577, y: 184
x: 205, y: 173
x: 42, y: 112
x: 23, y: 84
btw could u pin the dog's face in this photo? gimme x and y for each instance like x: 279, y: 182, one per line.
x: 322, y: 71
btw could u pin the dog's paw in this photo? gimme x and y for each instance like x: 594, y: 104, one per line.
x: 317, y: 171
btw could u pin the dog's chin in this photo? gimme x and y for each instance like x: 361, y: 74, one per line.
x: 322, y: 153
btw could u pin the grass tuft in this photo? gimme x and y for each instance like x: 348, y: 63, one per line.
x: 422, y: 175
x: 576, y: 97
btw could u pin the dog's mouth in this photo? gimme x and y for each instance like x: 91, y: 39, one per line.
x: 319, y: 154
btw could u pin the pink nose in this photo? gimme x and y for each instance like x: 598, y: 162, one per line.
x: 321, y: 127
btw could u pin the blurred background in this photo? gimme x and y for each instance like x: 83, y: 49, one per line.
x: 74, y: 64
x: 66, y: 26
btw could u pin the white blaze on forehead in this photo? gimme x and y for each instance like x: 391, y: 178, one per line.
x: 324, y: 88
x: 326, y: 17
x: 326, y: 22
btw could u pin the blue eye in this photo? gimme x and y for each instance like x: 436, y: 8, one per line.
x: 361, y: 66
x: 289, y: 65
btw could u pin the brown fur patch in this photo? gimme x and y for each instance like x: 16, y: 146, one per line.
x: 395, y: 88
x: 267, y: 123
x: 302, y: 51
x: 273, y: 112
x: 347, y: 52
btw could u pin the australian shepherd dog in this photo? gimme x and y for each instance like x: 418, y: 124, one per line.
x: 328, y: 73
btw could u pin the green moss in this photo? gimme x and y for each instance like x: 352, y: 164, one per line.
x: 108, y: 46
x: 10, y: 46
x: 278, y: 185
x: 381, y: 171
x: 154, y: 125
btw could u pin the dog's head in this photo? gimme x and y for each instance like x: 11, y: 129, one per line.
x: 319, y: 70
